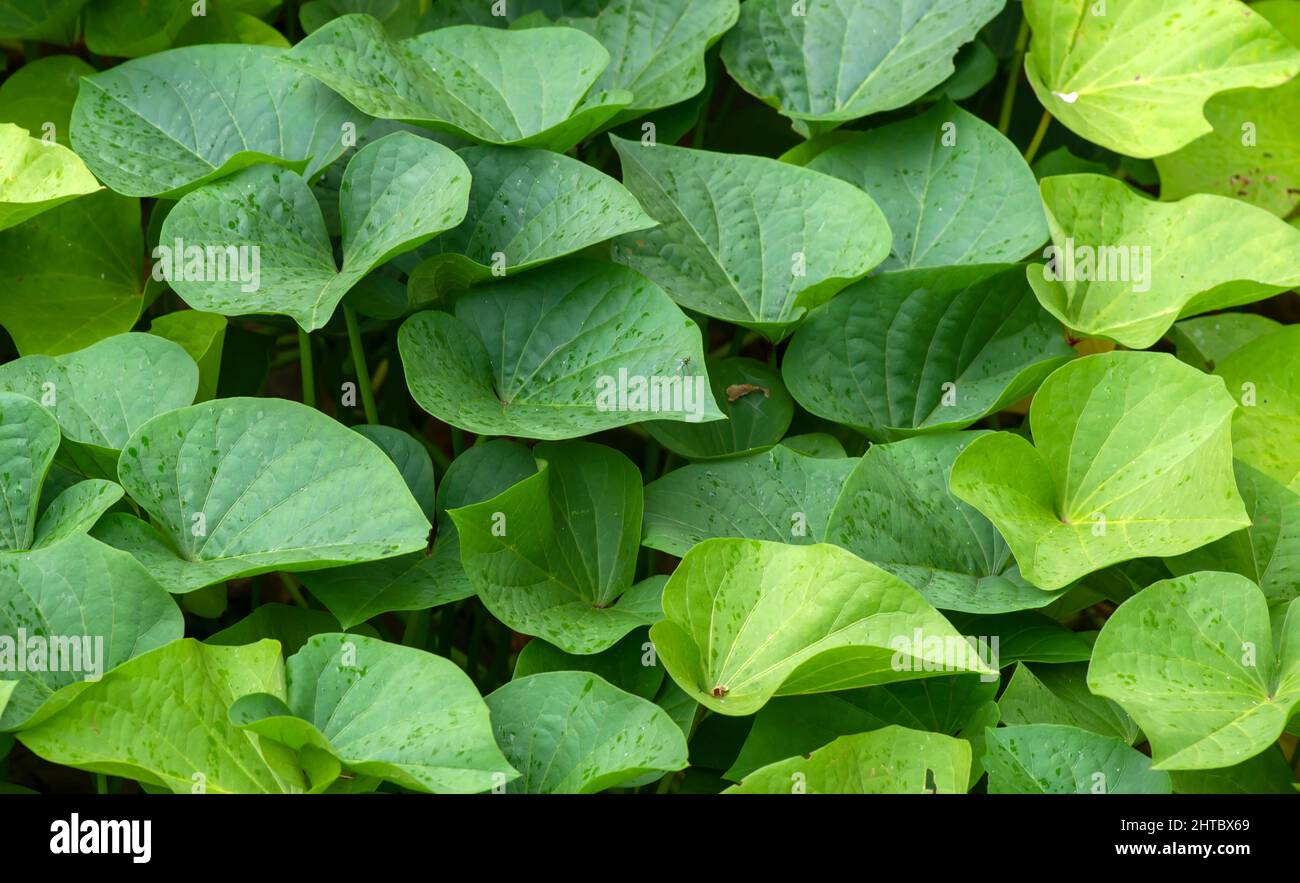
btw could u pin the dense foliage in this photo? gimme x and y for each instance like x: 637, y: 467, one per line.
x: 661, y: 395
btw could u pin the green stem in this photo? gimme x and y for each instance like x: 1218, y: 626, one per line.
x: 457, y: 441
x: 294, y: 592
x: 1013, y: 77
x: 308, y: 372
x: 359, y: 362
x: 447, y: 628
x: 417, y: 628
x: 1032, y: 150
x: 101, y: 783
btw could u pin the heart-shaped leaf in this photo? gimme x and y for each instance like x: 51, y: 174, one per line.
x: 397, y: 193
x: 526, y: 207
x: 1207, y: 340
x: 105, y: 392
x: 29, y: 438
x: 1198, y: 665
x: 1131, y: 457
x: 35, y: 176
x: 68, y: 614
x: 825, y: 62
x: 570, y: 349
x: 1264, y: 376
x: 571, y: 732
x: 75, y: 510
x: 755, y: 402
x: 203, y: 336
x: 778, y: 495
x: 529, y: 88
x: 924, y: 350
x: 243, y: 486
x: 954, y: 189
x: 745, y: 238
x: 39, y: 95
x: 143, y: 137
x: 1056, y: 759
x: 1058, y: 694
x: 895, y: 511
x: 746, y: 620
x: 1119, y: 266
x: 555, y: 555
x: 1135, y: 81
x: 890, y: 760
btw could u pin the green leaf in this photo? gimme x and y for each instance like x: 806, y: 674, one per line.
x: 384, y: 710
x: 424, y: 579
x: 1056, y: 759
x: 105, y: 392
x: 1136, y: 81
x: 890, y: 760
x: 161, y: 719
x: 75, y: 510
x: 555, y: 555
x: 528, y: 88
x: 1058, y: 694
x: 54, y: 21
x: 746, y: 620
x: 752, y: 398
x: 39, y: 95
x: 68, y: 614
x: 143, y: 137
x: 826, y: 62
x: 575, y: 733
x: 397, y: 193
x: 1023, y: 636
x: 624, y: 665
x: 1266, y: 773
x: 895, y: 511
x: 541, y: 356
x: 203, y: 336
x: 657, y: 47
x: 73, y: 275
x: 1205, y: 341
x: 747, y: 239
x: 526, y: 207
x: 1196, y: 663
x: 291, y: 626
x: 954, y: 189
x: 778, y: 495
x: 400, y: 18
x: 29, y: 438
x: 1131, y: 458
x: 1119, y: 266
x: 1268, y: 551
x: 1264, y: 376
x: 244, y: 486
x: 791, y: 725
x: 36, y: 176
x: 924, y: 350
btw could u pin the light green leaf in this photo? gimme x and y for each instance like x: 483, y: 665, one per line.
x: 755, y: 402
x: 747, y: 239
x: 384, y: 710
x: 1131, y: 458
x: 36, y: 176
x: 526, y: 207
x: 1057, y: 759
x: 1120, y: 267
x: 746, y: 620
x: 203, y: 336
x: 1208, y: 340
x: 1194, y: 661
x: 161, y: 719
x: 73, y: 275
x: 574, y: 733
x: 954, y: 189
x: 39, y: 95
x: 1058, y: 694
x: 105, y: 392
x: 75, y: 510
x: 1136, y: 81
x: 924, y: 350
x: 144, y: 137
x: 541, y: 356
x: 554, y: 556
x: 1264, y: 376
x: 68, y: 614
x: 244, y: 486
x: 895, y: 511
x: 778, y: 495
x: 528, y: 88
x: 397, y: 193
x: 829, y: 61
x: 29, y: 438
x: 890, y: 760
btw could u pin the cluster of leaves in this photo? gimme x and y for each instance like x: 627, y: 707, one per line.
x: 307, y: 448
